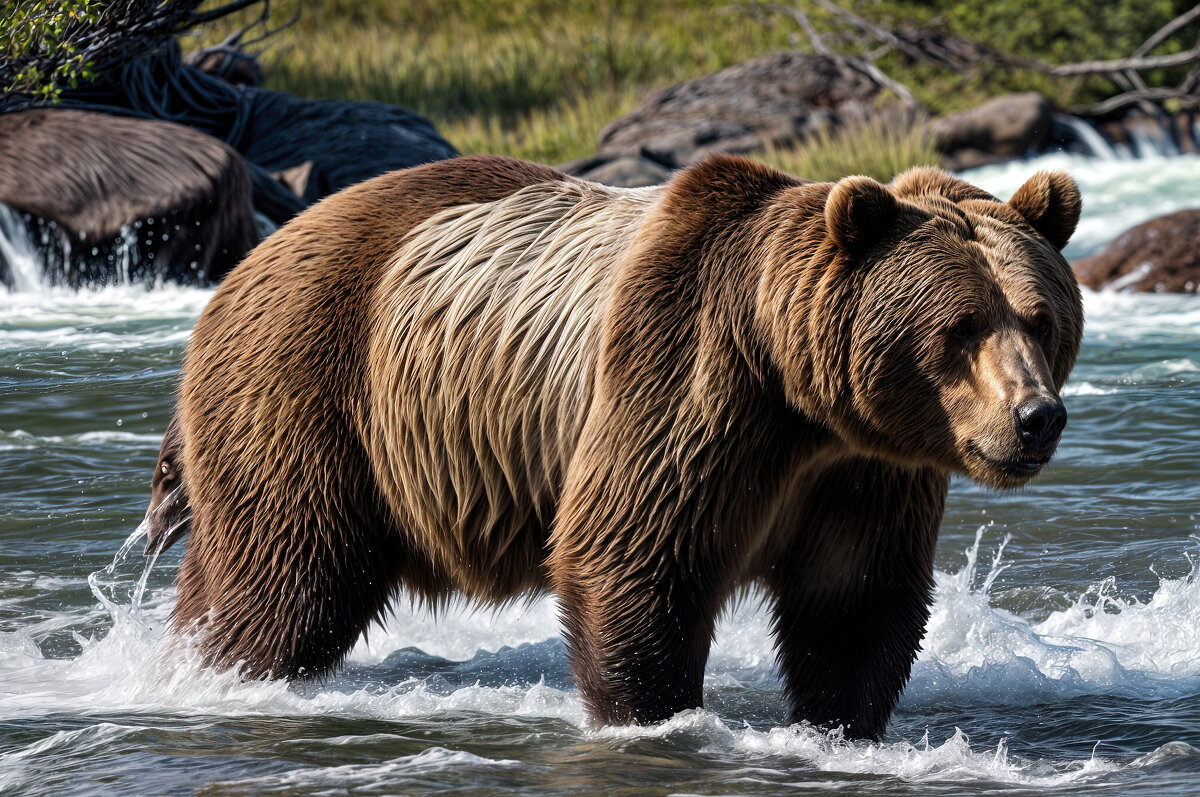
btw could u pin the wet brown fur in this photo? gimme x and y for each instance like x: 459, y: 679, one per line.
x: 643, y: 401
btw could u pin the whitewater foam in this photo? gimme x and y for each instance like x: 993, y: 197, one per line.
x: 1103, y: 643
x: 1118, y: 194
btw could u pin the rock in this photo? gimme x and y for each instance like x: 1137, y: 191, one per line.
x: 1000, y: 129
x: 112, y: 198
x: 1162, y: 254
x: 345, y: 141
x: 774, y: 100
x: 626, y: 171
x: 228, y: 63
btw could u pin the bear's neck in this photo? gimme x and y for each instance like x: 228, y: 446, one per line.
x: 742, y: 251
x: 803, y: 307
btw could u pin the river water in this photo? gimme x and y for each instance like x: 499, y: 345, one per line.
x: 1063, y: 655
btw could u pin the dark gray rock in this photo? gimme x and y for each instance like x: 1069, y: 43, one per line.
x: 115, y: 198
x: 774, y: 100
x: 998, y: 130
x: 626, y: 171
x: 346, y: 141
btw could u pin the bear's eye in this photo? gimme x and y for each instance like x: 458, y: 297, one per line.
x: 165, y: 468
x: 1042, y: 327
x: 966, y: 330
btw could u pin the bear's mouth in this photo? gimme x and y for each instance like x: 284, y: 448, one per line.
x: 1019, y: 468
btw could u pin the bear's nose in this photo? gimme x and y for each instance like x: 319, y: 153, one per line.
x: 1040, y: 422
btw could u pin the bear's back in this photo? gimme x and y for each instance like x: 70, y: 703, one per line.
x: 486, y: 331
x: 275, y: 393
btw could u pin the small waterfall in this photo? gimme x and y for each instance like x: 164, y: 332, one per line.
x: 1150, y: 140
x: 36, y: 254
x: 1089, y: 137
x: 19, y: 252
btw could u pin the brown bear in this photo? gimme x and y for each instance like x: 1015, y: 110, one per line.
x: 484, y: 376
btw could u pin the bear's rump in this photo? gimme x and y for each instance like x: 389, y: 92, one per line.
x: 481, y: 364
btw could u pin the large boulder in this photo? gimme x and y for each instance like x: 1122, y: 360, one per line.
x: 623, y: 171
x: 111, y: 198
x: 998, y: 130
x: 339, y: 142
x: 1162, y: 254
x: 775, y: 100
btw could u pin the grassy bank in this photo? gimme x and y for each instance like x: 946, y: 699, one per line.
x: 539, y: 79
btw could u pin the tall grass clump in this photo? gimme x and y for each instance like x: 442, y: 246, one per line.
x: 530, y: 78
x: 881, y: 148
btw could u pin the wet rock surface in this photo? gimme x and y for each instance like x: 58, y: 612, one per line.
x: 1162, y: 254
x: 113, y: 198
x: 998, y: 130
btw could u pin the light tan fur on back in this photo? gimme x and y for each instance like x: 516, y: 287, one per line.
x: 482, y: 369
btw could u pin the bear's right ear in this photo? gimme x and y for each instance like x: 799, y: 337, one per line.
x: 857, y: 211
x: 1050, y: 202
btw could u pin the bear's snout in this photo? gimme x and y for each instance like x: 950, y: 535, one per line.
x: 1039, y: 423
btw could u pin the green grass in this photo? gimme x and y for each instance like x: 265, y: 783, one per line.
x: 539, y: 79
x: 880, y: 149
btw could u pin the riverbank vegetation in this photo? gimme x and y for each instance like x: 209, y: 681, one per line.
x: 540, y: 78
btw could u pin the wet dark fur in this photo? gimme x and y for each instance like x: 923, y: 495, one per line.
x: 776, y: 398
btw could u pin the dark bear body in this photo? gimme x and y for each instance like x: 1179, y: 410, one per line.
x: 483, y: 376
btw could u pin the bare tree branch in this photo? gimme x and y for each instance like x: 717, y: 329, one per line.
x: 870, y: 40
x: 801, y: 19
x: 1167, y: 31
x: 1139, y: 64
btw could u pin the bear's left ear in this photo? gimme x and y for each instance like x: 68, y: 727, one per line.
x: 1050, y: 202
x: 858, y: 211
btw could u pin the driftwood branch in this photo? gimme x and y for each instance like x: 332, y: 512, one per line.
x: 864, y: 64
x: 864, y: 41
x: 1167, y: 31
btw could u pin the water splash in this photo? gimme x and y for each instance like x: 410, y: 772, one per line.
x: 973, y: 652
x: 18, y: 250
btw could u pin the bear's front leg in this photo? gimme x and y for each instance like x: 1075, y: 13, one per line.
x: 852, y: 589
x: 638, y: 607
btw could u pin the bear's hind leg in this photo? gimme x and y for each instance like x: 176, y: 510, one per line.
x: 851, y: 592
x: 284, y: 585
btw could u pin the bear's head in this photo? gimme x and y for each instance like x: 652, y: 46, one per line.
x: 946, y: 322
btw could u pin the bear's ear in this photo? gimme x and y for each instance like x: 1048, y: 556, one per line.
x: 1050, y: 202
x: 858, y: 211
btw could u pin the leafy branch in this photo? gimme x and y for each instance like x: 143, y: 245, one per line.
x: 52, y: 45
